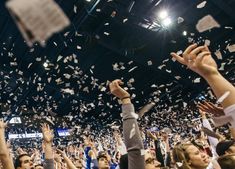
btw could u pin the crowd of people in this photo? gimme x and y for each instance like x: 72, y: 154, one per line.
x: 139, y: 147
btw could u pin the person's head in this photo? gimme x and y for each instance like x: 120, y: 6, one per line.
x: 150, y: 161
x: 103, y: 160
x: 188, y: 156
x: 225, y: 147
x: 38, y: 166
x: 23, y: 161
x: 227, y: 161
x: 78, y: 163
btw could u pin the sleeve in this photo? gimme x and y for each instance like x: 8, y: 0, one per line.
x: 48, y: 164
x: 158, y: 152
x: 94, y: 164
x: 88, y: 158
x: 134, y: 144
x: 213, y: 141
x: 230, y: 111
x: 168, y: 159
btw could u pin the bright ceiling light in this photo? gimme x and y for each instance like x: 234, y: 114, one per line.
x: 166, y: 22
x: 185, y: 33
x: 45, y: 64
x: 163, y: 14
x: 88, y: 0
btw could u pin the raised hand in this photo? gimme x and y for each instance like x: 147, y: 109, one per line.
x: 57, y: 157
x: 209, y: 107
x: 20, y: 151
x: 198, y: 59
x: 151, y: 135
x: 62, y: 153
x: 47, y: 133
x: 118, y: 91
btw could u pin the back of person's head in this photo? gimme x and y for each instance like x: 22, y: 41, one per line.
x: 224, y: 146
x: 181, y: 157
x: 227, y: 161
x: 17, y: 160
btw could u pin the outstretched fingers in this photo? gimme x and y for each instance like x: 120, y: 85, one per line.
x: 178, y: 58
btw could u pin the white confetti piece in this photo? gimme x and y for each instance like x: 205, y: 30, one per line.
x: 223, y: 97
x: 79, y: 47
x: 222, y: 66
x: 67, y: 90
x: 37, y: 20
x: 218, y: 54
x: 106, y: 33
x: 207, y: 23
x: 142, y: 152
x: 197, y: 80
x: 180, y: 20
x: 125, y: 20
x: 207, y: 42
x: 231, y: 48
x: 133, y: 69
x: 150, y: 63
x: 132, y: 132
x: 202, y: 5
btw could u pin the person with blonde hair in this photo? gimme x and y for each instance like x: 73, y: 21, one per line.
x: 188, y: 156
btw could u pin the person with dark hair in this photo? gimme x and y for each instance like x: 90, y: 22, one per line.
x: 227, y: 161
x: 103, y: 160
x: 225, y: 147
x: 23, y: 161
x: 38, y: 166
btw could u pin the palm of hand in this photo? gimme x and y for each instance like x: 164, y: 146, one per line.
x: 47, y: 135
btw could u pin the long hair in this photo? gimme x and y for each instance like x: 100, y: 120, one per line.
x: 181, y: 156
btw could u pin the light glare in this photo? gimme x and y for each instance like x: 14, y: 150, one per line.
x: 166, y: 22
x: 163, y: 14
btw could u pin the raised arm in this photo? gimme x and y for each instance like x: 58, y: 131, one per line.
x: 69, y: 163
x: 157, y: 145
x: 6, y: 160
x: 47, y: 141
x: 199, y: 60
x: 131, y: 131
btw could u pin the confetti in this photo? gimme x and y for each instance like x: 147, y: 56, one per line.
x: 201, y: 5
x: 207, y: 23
